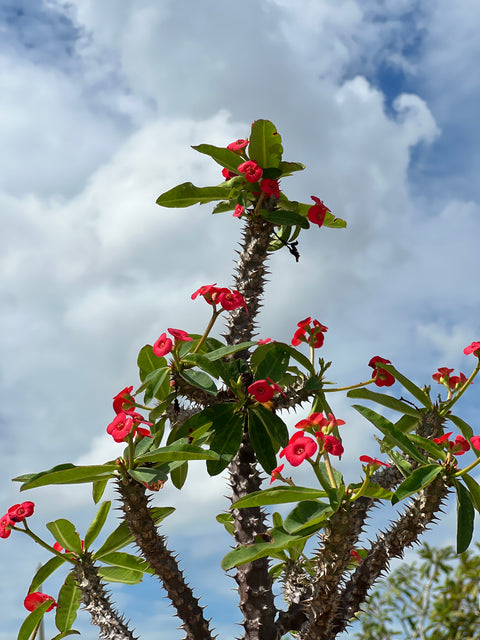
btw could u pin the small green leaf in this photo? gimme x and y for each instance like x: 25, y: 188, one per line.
x: 227, y: 520
x: 227, y: 429
x: 223, y: 352
x: 284, y: 217
x: 70, y: 474
x: 187, y: 194
x: 179, y: 450
x: 265, y: 146
x: 127, y: 561
x: 225, y: 158
x: 44, y: 572
x: 119, y: 538
x: 307, y: 513
x: 200, y: 361
x: 31, y: 621
x: 296, y: 355
x: 69, y: 600
x: 64, y: 634
x: 465, y: 518
x: 148, y: 475
x: 97, y: 523
x: 289, y: 167
x: 147, y: 361
x: 430, y: 447
x: 65, y: 534
x: 465, y: 429
x: 269, y: 361
x: 275, y: 426
x: 98, y: 489
x: 278, y: 495
x: 119, y: 574
x: 200, y: 380
x: 474, y: 489
x: 262, y: 442
x: 385, y: 400
x: 156, y: 385
x: 420, y: 478
x: 160, y: 513
x: 179, y: 475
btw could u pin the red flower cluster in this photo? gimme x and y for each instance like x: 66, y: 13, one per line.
x: 298, y: 449
x: 264, y: 390
x: 228, y: 299
x: 270, y: 187
x: 373, y: 462
x: 317, y: 212
x: 381, y: 376
x: 15, y: 514
x: 127, y: 419
x: 442, y: 376
x: 252, y: 171
x: 315, y: 333
x: 458, y: 447
x: 473, y: 348
x: 238, y: 145
x: 164, y: 344
x: 319, y: 420
x: 35, y: 599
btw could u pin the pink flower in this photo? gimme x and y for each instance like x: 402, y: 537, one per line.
x: 261, y: 390
x: 19, y: 512
x: 473, y: 348
x: 230, y: 300
x: 298, y: 448
x: 239, y: 211
x: 381, y: 376
x: 228, y: 174
x: 34, y: 600
x: 123, y: 400
x: 317, y: 212
x: 475, y: 442
x: 238, y: 145
x: 270, y: 187
x: 276, y: 473
x: 373, y: 462
x: 120, y: 427
x: 180, y: 335
x: 162, y: 346
x: 331, y: 444
x: 252, y: 171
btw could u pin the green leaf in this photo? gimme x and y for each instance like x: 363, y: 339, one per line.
x: 278, y: 495
x: 70, y: 474
x: 119, y: 574
x: 373, y: 491
x: 420, y: 478
x: 179, y: 475
x: 157, y: 384
x: 386, y: 401
x: 119, y: 538
x: 465, y: 429
x: 223, y: 352
x: 127, y: 561
x: 44, y: 572
x: 407, y: 423
x: 64, y: 634
x: 65, y: 534
x: 307, y: 513
x: 265, y: 146
x: 262, y: 442
x: 289, y: 167
x: 430, y: 447
x: 402, y: 465
x: 227, y: 520
x: 421, y: 395
x: 275, y: 426
x: 187, y: 194
x: 269, y: 361
x: 160, y: 513
x: 284, y: 217
x: 31, y: 621
x: 200, y: 361
x: 224, y: 157
x: 179, y: 450
x: 98, y: 488
x: 474, y: 489
x: 465, y: 518
x: 97, y: 523
x: 148, y: 362
x: 392, y: 434
x: 224, y: 206
x: 200, y: 380
x: 227, y: 429
x: 296, y: 355
x: 148, y: 475
x: 69, y: 601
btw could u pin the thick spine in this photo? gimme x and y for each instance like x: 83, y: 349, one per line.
x: 154, y: 550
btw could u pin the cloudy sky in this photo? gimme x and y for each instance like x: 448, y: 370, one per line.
x: 99, y: 104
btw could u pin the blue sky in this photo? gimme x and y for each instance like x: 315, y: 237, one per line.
x: 100, y: 102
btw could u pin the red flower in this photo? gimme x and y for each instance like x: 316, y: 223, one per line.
x: 205, y: 291
x: 6, y: 525
x: 270, y: 187
x: 475, y: 442
x: 230, y: 300
x: 252, y: 171
x: 299, y: 337
x: 356, y: 556
x: 299, y: 448
x: 180, y: 335
x: 34, y: 600
x: 317, y: 212
x: 264, y: 341
x: 442, y: 375
x: 373, y: 461
x: 381, y: 376
x: 459, y: 446
x: 473, y: 348
x: 228, y: 174
x: 162, y: 346
x: 276, y: 473
x: 239, y: 211
x: 457, y: 381
x: 120, y: 427
x: 238, y: 145
x: 442, y: 438
x: 262, y: 390
x: 331, y: 444
x: 19, y: 512
x: 123, y: 400
x: 315, y: 333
